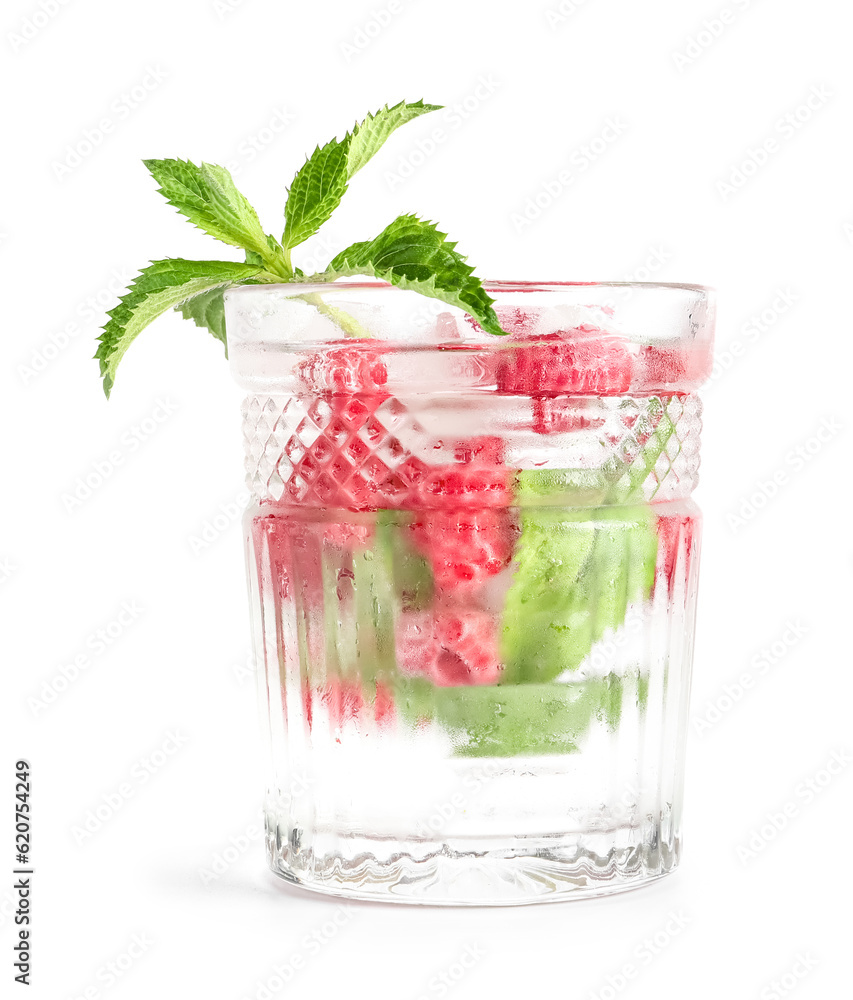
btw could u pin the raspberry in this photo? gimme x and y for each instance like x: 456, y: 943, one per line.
x: 673, y: 369
x: 476, y: 479
x: 471, y: 485
x: 346, y: 535
x: 293, y: 550
x: 344, y: 701
x: 561, y: 415
x: 354, y: 367
x: 486, y: 449
x: 449, y: 648
x: 463, y: 526
x: 463, y: 547
x: 582, y: 362
x: 272, y: 537
x: 674, y: 532
x: 340, y: 467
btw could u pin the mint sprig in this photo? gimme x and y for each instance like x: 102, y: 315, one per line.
x: 413, y: 254
x: 315, y: 193
x: 208, y: 197
x: 409, y: 253
x: 369, y: 136
x: 207, y: 310
x: 320, y: 184
x: 161, y: 285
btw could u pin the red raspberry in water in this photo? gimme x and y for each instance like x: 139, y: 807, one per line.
x: 477, y: 478
x: 474, y: 485
x: 293, y: 550
x: 581, y: 362
x: 356, y: 366
x: 339, y: 467
x: 674, y: 369
x: 675, y: 533
x: 449, y: 648
x: 561, y: 414
x: 344, y: 701
x: 272, y: 539
x: 463, y: 547
x: 346, y: 535
x: 463, y: 526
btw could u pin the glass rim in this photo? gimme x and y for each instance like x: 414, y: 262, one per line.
x: 495, y: 285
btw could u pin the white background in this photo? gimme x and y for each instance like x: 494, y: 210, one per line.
x: 535, y: 90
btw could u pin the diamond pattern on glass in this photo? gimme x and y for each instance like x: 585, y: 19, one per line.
x: 371, y: 451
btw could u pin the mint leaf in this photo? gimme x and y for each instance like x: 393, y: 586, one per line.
x: 208, y: 310
x: 577, y: 572
x: 316, y: 192
x: 554, y: 612
x: 158, y: 287
x: 409, y: 253
x: 208, y: 197
x: 412, y: 253
x: 320, y: 183
x: 369, y: 136
x: 513, y: 720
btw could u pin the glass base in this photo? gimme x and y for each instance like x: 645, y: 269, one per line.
x: 531, y: 870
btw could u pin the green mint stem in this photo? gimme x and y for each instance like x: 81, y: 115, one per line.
x: 349, y: 324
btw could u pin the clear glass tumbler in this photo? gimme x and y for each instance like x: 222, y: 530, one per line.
x: 472, y: 566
